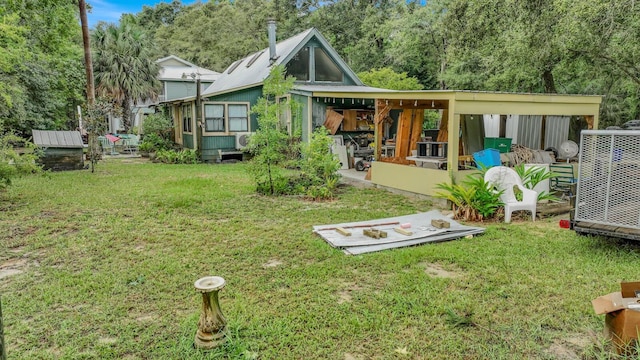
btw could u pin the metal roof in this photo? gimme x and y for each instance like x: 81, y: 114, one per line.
x: 340, y: 88
x: 59, y: 139
x: 183, y: 72
x: 254, y: 69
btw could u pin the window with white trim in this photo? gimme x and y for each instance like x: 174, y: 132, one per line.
x: 186, y: 118
x: 226, y: 117
x: 238, y: 117
x: 214, y: 118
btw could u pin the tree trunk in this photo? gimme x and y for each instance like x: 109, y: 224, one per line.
x: 88, y: 65
x: 549, y: 83
x: 126, y: 113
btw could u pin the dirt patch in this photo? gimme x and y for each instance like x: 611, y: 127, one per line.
x: 348, y: 356
x: 345, y: 295
x: 107, y: 341
x: 272, y: 263
x: 570, y: 348
x: 9, y: 272
x: 436, y: 270
x: 146, y: 318
x: 12, y: 267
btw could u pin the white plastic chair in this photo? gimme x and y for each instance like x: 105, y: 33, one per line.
x: 505, y: 179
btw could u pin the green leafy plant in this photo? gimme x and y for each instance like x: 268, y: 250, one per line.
x: 14, y: 164
x: 269, y: 144
x: 158, y: 124
x: 532, y: 177
x: 187, y: 156
x: 319, y: 166
x: 472, y: 200
x: 154, y: 142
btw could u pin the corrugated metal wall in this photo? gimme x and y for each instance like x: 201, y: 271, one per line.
x: 556, y: 131
x: 525, y: 130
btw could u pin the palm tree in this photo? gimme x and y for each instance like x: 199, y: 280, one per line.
x: 124, y: 70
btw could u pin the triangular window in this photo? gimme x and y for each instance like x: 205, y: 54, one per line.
x: 298, y: 66
x: 326, y: 68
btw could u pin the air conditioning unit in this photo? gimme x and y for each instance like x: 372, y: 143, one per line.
x: 242, y: 139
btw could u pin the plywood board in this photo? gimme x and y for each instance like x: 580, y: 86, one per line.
x: 349, y: 123
x: 332, y: 121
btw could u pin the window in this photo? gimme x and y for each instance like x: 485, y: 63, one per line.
x: 214, y: 117
x: 238, y: 119
x: 285, y: 113
x: 326, y: 68
x: 225, y: 117
x: 186, y: 118
x: 298, y: 66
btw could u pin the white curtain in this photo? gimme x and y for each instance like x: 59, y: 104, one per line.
x: 491, y: 125
x: 511, y: 128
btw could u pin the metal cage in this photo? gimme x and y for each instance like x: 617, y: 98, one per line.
x: 608, y: 195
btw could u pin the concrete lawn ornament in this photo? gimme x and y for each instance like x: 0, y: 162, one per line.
x: 212, y: 323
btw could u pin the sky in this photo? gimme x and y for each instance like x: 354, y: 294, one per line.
x: 110, y: 10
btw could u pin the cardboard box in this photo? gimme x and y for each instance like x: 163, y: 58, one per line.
x: 622, y: 319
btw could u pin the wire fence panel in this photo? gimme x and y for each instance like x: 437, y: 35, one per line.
x: 608, y: 178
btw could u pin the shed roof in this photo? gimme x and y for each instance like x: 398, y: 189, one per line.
x: 177, y: 69
x: 59, y: 139
x: 254, y: 69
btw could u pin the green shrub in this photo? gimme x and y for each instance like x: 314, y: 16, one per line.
x: 14, y: 164
x: 532, y: 177
x: 154, y: 142
x: 188, y: 156
x: 319, y: 166
x: 473, y: 200
x: 158, y: 124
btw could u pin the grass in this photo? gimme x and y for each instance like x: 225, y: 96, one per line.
x: 109, y: 259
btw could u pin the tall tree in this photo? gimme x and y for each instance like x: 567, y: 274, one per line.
x: 124, y: 70
x: 40, y: 82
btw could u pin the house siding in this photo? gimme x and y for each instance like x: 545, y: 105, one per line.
x: 181, y: 89
x: 249, y: 95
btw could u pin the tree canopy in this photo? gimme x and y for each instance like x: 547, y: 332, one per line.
x: 561, y: 46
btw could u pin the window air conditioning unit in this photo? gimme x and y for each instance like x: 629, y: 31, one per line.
x: 242, y: 139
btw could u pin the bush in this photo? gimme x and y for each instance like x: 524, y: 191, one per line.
x: 14, y: 164
x: 189, y: 156
x: 154, y: 142
x: 320, y: 166
x: 157, y: 124
x: 473, y: 200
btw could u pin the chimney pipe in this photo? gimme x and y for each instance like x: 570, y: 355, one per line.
x: 271, y: 25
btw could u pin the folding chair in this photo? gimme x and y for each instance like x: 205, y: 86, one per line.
x: 105, y: 144
x: 130, y: 144
x: 562, y: 178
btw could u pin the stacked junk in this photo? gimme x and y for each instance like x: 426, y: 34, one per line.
x: 362, y: 237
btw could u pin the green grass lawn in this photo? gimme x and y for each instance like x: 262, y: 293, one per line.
x: 108, y: 261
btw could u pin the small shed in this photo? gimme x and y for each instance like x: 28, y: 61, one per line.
x: 63, y: 150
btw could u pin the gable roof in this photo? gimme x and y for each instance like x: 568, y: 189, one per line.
x: 58, y: 139
x: 254, y: 69
x: 173, y: 68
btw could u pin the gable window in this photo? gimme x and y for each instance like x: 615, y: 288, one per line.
x: 186, y: 118
x: 326, y: 69
x: 238, y: 117
x: 226, y: 117
x: 214, y: 117
x: 314, y: 64
x: 298, y: 66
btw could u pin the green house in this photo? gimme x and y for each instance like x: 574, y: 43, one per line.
x: 223, y: 120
